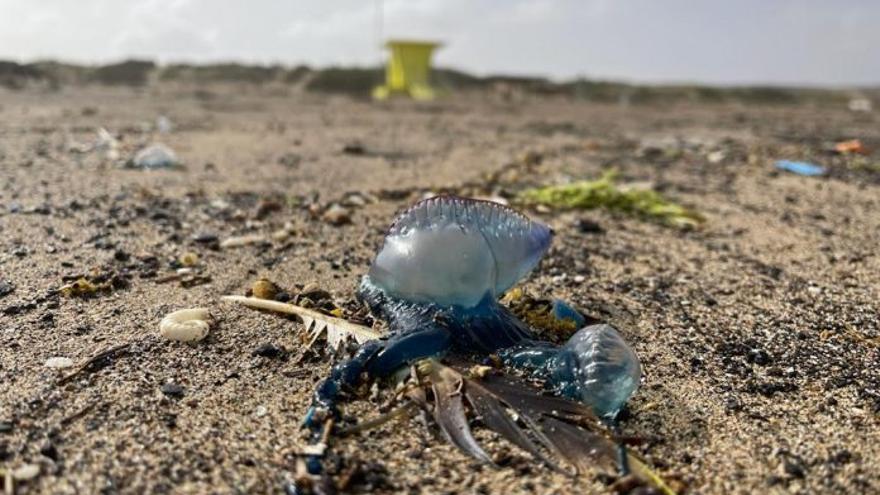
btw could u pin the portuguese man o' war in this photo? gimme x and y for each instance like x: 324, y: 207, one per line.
x: 436, y: 281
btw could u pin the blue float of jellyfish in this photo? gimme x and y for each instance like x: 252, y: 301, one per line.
x: 436, y: 281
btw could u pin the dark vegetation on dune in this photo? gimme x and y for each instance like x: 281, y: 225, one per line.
x: 359, y: 81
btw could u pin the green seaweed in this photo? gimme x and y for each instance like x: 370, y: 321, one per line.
x: 604, y: 193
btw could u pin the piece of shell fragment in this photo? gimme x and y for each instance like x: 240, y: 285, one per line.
x: 185, y: 325
x: 242, y: 240
x: 26, y: 472
x: 58, y: 362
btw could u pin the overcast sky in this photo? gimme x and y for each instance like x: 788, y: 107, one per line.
x: 817, y: 42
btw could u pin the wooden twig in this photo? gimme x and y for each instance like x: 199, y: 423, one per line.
x: 89, y: 364
x: 78, y: 414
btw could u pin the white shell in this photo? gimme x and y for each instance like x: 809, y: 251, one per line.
x: 58, y: 362
x: 156, y: 156
x: 26, y: 472
x: 185, y: 325
x: 456, y: 251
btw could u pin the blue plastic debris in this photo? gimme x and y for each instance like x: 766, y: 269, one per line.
x: 801, y: 168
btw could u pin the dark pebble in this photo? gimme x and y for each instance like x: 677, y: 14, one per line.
x: 49, y: 450
x: 759, y: 357
x: 732, y: 404
x: 6, y: 288
x: 205, y: 238
x: 794, y: 468
x: 121, y: 255
x: 282, y: 297
x: 586, y: 226
x: 268, y: 351
x: 172, y: 390
x: 354, y: 149
x: 5, y: 426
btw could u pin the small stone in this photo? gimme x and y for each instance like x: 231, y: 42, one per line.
x: 732, y: 404
x: 49, y: 450
x: 759, y: 357
x: 265, y: 207
x: 715, y: 157
x: 6, y: 288
x: 205, y: 238
x: 121, y: 255
x: 315, y: 293
x: 261, y: 411
x: 794, y: 467
x: 5, y: 426
x: 172, y: 390
x: 26, y: 472
x: 268, y: 350
x: 354, y: 149
x: 586, y: 226
x: 264, y: 289
x: 189, y: 259
x: 336, y: 215
x: 58, y: 362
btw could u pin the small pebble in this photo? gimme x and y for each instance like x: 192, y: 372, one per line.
x: 715, y: 157
x: 354, y: 149
x: 337, y: 215
x: 59, y: 362
x: 189, y: 259
x: 586, y: 226
x: 261, y: 411
x: 264, y: 289
x: 172, y: 390
x: 268, y: 350
x: 6, y: 288
x: 49, y: 450
x: 26, y: 472
x: 205, y: 238
x: 759, y: 357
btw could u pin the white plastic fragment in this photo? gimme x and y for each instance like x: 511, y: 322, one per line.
x: 185, y: 325
x: 58, y: 362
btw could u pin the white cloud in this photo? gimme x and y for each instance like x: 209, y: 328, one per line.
x: 784, y: 41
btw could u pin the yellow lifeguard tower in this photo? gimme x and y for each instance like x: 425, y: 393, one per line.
x: 408, y: 70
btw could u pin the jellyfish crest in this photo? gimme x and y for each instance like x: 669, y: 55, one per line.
x: 456, y: 251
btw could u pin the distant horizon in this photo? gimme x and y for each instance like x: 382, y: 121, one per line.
x: 791, y: 43
x: 623, y: 81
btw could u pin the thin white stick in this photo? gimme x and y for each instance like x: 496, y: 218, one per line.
x: 304, y: 313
